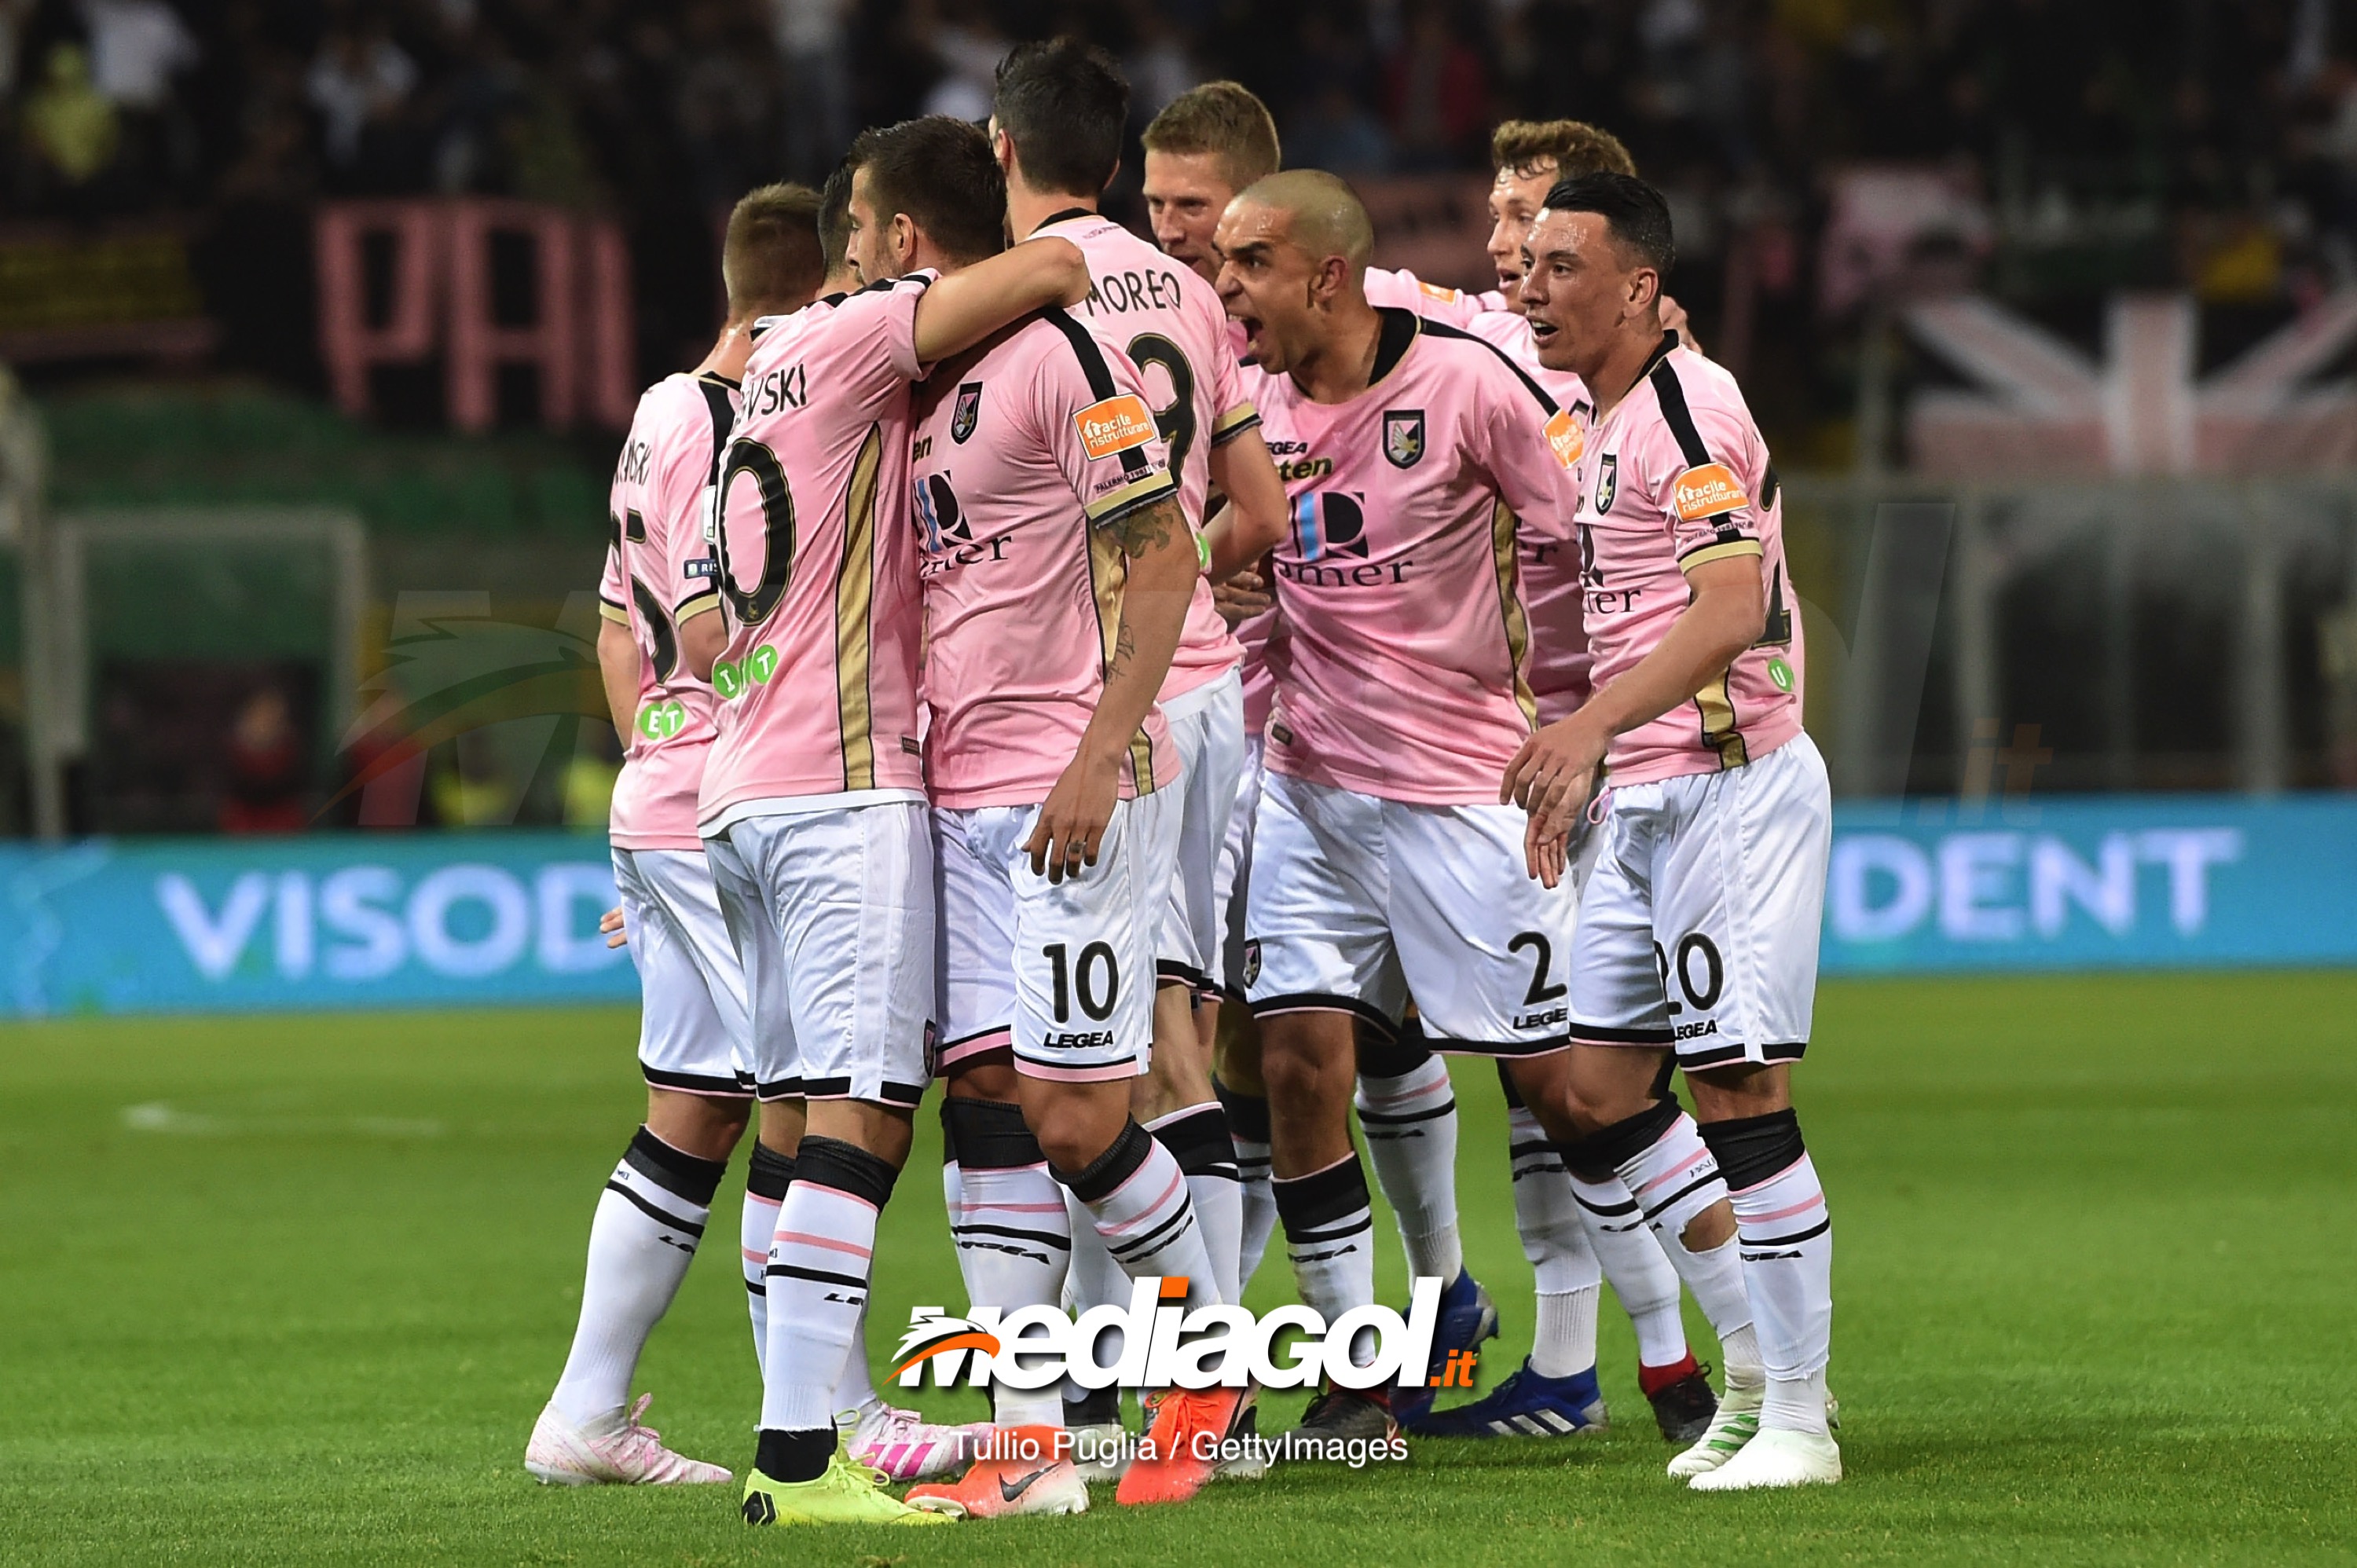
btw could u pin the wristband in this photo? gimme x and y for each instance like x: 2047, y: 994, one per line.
x: 1203, y: 553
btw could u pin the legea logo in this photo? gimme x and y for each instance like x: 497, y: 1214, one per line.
x: 1164, y: 1344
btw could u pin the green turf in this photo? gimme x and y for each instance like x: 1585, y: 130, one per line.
x: 2093, y: 1281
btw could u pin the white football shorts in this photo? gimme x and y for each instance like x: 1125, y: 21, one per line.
x: 832, y: 911
x: 1236, y: 868
x: 1698, y: 929
x: 1060, y: 971
x: 1207, y: 725
x: 691, y: 1034
x: 1357, y: 902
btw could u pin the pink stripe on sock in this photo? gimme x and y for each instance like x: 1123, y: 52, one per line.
x: 767, y: 1202
x: 837, y: 1192
x: 753, y: 1257
x: 828, y: 1243
x: 1698, y: 1156
x: 1816, y: 1202
x: 975, y: 1205
x: 1178, y: 1181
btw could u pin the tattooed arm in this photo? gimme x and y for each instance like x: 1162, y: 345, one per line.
x: 1159, y: 550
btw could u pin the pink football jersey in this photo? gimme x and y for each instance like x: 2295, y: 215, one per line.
x: 658, y: 576
x: 1402, y: 290
x: 1559, y: 667
x: 1400, y: 658
x: 818, y: 564
x: 1172, y: 324
x: 1673, y: 476
x: 1029, y: 453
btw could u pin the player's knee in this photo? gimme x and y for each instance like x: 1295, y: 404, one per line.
x: 1753, y: 1149
x: 1603, y: 1147
x: 1300, y: 1072
x: 1393, y: 1056
x: 707, y: 1126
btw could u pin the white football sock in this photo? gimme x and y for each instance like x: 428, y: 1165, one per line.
x: 643, y: 1235
x: 1785, y: 1233
x: 765, y: 1188
x: 1329, y: 1229
x: 1640, y: 1272
x: 1674, y: 1179
x: 1248, y: 1131
x: 820, y: 1260
x: 1014, y: 1240
x: 1565, y: 1340
x: 1198, y: 1139
x: 1136, y: 1195
x: 1554, y: 1239
x: 1410, y: 1122
x: 855, y: 1389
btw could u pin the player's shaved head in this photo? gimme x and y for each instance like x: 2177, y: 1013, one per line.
x: 1324, y: 215
x: 771, y: 260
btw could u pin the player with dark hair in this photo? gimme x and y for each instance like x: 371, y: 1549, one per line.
x: 1696, y: 939
x: 813, y: 807
x: 835, y: 229
x: 1056, y: 566
x: 1057, y: 133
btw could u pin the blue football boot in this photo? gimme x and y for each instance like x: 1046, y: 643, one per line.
x: 1524, y: 1405
x: 1467, y: 1316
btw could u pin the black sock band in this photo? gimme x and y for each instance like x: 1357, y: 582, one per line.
x: 1093, y: 1182
x: 794, y: 1456
x: 1198, y: 1139
x: 1396, y: 1057
x: 770, y: 1173
x: 847, y: 1168
x: 1604, y: 1152
x: 990, y: 1136
x: 1750, y: 1149
x: 677, y: 1172
x: 1247, y: 1113
x: 1311, y: 1206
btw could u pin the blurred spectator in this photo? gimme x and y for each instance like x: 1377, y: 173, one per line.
x: 1437, y: 94
x: 15, y: 15
x: 360, y: 81
x: 966, y: 43
x: 265, y: 790
x: 1337, y: 133
x: 1157, y: 62
x: 136, y: 48
x: 815, y: 50
x: 70, y: 126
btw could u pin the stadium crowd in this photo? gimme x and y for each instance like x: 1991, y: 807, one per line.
x: 2230, y: 118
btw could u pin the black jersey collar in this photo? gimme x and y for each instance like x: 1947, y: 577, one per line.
x: 1399, y: 332
x: 1066, y: 216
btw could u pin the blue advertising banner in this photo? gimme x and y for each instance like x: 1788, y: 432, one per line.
x: 323, y: 921
x: 2108, y: 882
x: 395, y: 919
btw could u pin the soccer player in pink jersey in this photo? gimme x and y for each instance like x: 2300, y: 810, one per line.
x: 1579, y: 1225
x: 1415, y: 455
x: 1058, y: 568
x: 692, y: 1035
x: 1058, y: 123
x: 1697, y: 932
x: 812, y: 808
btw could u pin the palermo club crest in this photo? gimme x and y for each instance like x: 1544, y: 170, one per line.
x: 968, y: 410
x: 1608, y: 480
x: 1404, y: 436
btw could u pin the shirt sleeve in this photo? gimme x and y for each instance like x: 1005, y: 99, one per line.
x: 885, y: 315
x: 1692, y: 475
x: 1529, y: 446
x: 613, y: 593
x: 691, y: 576
x: 1091, y: 409
x: 1232, y: 403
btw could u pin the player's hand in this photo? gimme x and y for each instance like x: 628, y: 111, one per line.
x: 1545, y: 855
x: 1240, y: 598
x: 610, y: 922
x: 1552, y: 776
x: 1071, y: 824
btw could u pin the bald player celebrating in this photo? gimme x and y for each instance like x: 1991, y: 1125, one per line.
x: 1385, y: 864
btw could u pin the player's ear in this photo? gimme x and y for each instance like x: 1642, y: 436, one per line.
x: 1644, y: 290
x: 1002, y: 148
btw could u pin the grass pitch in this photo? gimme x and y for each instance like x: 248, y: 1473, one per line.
x: 293, y: 1289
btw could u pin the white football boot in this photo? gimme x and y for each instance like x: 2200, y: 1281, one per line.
x: 624, y: 1454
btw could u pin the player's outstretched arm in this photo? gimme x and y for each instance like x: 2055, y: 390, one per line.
x: 617, y: 670
x: 1161, y: 550
x: 1554, y: 773
x: 1253, y: 520
x: 961, y: 309
x: 701, y: 639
